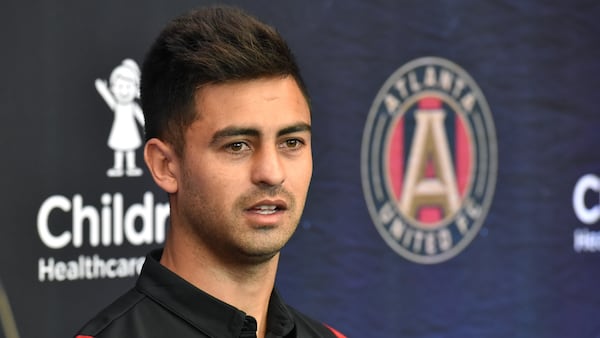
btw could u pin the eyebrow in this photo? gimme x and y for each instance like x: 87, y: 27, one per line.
x: 254, y: 132
x: 296, y: 128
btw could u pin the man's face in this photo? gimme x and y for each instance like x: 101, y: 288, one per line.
x: 246, y: 167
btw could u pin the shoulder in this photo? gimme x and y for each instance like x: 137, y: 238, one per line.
x: 136, y: 314
x: 111, y: 314
x: 309, y: 327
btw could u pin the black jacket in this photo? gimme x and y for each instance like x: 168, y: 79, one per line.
x: 163, y: 305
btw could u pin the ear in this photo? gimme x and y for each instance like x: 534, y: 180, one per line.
x: 163, y: 163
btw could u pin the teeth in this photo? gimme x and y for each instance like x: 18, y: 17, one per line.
x: 266, y: 209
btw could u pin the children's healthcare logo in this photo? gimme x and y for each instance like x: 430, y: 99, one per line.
x: 429, y: 160
x: 120, y: 94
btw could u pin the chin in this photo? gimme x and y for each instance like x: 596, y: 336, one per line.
x: 259, y: 257
x: 262, y: 252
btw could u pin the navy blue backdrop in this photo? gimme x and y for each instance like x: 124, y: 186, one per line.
x: 531, y: 270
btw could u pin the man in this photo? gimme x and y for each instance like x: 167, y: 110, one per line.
x: 228, y: 137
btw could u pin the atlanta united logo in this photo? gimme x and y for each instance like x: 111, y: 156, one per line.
x: 429, y: 160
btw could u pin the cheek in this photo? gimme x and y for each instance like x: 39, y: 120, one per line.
x: 307, y: 173
x: 218, y: 185
x: 308, y: 167
x: 301, y: 174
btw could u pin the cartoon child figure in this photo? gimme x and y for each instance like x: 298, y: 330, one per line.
x: 120, y: 94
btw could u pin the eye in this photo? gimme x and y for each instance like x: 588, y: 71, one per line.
x: 237, y: 147
x: 292, y: 144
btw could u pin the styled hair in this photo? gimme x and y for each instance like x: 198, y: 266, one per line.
x: 206, y: 46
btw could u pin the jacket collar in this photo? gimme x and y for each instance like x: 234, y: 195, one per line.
x: 203, y: 311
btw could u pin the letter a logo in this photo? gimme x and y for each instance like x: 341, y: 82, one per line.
x: 430, y: 192
x: 429, y: 160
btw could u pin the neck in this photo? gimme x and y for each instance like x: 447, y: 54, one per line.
x: 246, y: 286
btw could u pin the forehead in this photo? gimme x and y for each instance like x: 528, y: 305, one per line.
x: 265, y: 102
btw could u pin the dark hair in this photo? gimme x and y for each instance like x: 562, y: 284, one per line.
x: 206, y: 46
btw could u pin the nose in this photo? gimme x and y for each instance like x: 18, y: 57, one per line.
x: 267, y: 168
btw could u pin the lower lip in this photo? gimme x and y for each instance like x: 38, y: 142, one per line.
x: 262, y: 220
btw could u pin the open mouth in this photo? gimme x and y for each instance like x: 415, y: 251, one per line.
x: 265, y: 209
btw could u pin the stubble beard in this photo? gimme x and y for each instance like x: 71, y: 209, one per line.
x: 240, y: 243
x: 272, y: 239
